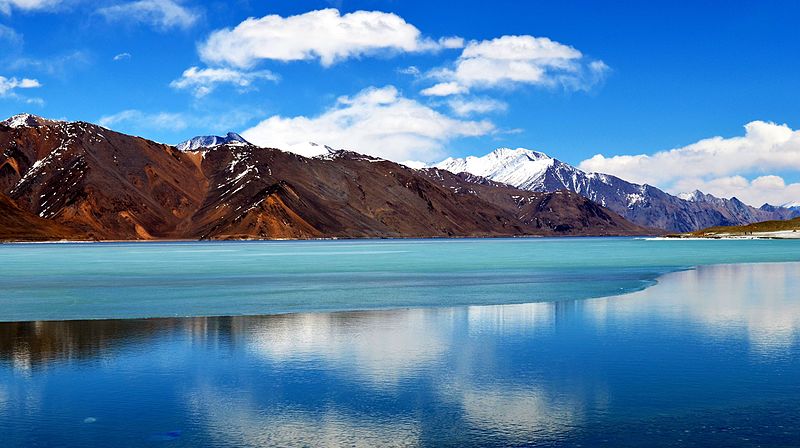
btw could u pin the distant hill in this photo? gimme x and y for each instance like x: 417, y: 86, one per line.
x: 783, y: 229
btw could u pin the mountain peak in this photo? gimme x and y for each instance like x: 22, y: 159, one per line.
x: 508, y: 153
x: 26, y: 120
x: 520, y: 167
x: 310, y: 149
x: 210, y: 141
x: 694, y: 196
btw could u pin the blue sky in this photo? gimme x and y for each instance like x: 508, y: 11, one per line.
x: 627, y: 80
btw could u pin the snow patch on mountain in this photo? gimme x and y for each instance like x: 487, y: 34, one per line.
x: 27, y: 120
x: 310, y: 149
x: 520, y: 167
x: 210, y: 141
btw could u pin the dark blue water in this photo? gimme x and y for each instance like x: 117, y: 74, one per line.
x: 707, y: 357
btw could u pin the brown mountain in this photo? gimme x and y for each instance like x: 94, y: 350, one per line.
x: 21, y: 225
x: 86, y: 181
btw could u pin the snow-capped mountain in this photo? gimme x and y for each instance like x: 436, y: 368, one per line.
x: 310, y: 149
x: 77, y: 180
x: 642, y: 204
x: 792, y: 205
x: 27, y: 120
x: 210, y: 141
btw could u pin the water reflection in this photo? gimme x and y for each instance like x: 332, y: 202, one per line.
x: 30, y: 344
x: 387, y: 346
x: 592, y: 372
x: 245, y: 423
x: 761, y: 300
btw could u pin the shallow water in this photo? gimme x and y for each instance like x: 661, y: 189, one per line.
x: 130, y: 280
x: 707, y: 357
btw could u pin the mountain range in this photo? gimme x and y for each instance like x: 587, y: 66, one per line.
x: 645, y: 205
x: 77, y: 180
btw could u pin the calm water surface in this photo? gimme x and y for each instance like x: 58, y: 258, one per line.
x: 706, y: 357
x: 129, y: 280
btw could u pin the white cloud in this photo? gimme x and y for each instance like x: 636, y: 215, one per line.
x: 141, y: 120
x: 451, y: 42
x: 468, y: 106
x: 12, y: 38
x: 35, y: 101
x: 204, y: 81
x: 134, y: 120
x: 122, y: 57
x: 411, y: 70
x: 9, y: 85
x: 444, y: 89
x: 511, y: 60
x: 324, y: 34
x: 718, y: 165
x: 27, y: 5
x: 376, y: 121
x: 54, y: 65
x: 162, y: 14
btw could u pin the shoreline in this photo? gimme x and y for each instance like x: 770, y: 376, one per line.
x: 398, y: 238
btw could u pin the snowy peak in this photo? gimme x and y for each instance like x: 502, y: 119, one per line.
x: 210, y: 141
x: 518, y: 167
x: 694, y: 196
x: 26, y: 120
x: 500, y: 159
x: 310, y: 149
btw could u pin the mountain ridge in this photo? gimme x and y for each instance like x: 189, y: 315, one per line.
x: 642, y: 204
x: 105, y: 185
x: 210, y: 141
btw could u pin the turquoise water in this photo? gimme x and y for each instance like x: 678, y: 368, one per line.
x: 135, y: 280
x: 707, y: 357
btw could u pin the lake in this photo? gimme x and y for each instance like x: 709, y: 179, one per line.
x: 401, y: 343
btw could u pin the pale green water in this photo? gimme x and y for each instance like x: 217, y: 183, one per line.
x: 130, y: 280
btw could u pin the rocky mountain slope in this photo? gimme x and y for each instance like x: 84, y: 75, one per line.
x: 96, y: 183
x: 17, y: 224
x: 642, y: 204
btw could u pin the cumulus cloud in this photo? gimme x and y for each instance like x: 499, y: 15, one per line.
x: 204, y: 81
x: 323, y: 35
x: 9, y: 85
x: 162, y: 14
x: 376, y: 121
x: 27, y: 5
x: 512, y: 60
x: 718, y: 165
